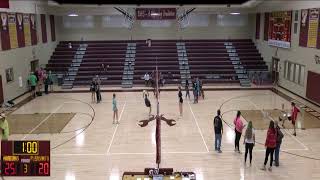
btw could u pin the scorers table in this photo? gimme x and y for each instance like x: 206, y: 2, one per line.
x: 159, y: 174
x: 25, y: 158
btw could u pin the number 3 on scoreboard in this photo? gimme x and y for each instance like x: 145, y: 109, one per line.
x: 25, y: 168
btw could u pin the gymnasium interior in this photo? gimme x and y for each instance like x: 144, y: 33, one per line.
x: 58, y: 57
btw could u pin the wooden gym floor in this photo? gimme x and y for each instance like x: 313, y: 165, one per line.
x: 86, y: 145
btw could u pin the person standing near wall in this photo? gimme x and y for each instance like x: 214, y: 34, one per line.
x: 32, y: 79
x: 238, y: 131
x: 4, y: 127
x: 218, y: 131
x: 50, y: 81
x: 270, y: 144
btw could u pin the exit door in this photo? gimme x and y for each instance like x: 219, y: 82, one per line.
x: 1, y: 91
x: 275, y: 69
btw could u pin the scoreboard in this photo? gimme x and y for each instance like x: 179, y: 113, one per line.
x: 25, y: 158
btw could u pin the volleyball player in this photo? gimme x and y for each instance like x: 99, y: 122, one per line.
x: 146, y: 100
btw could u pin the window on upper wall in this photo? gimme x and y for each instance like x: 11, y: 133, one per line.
x: 295, y: 22
x: 294, y: 72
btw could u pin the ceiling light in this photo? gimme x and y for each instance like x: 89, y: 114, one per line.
x: 155, y: 14
x: 235, y: 13
x: 73, y: 15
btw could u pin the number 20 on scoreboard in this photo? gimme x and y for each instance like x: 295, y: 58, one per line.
x: 25, y: 158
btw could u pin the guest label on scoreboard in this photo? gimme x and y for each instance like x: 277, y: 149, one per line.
x: 25, y: 158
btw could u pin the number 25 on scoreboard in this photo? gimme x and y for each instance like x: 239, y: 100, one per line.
x: 10, y: 168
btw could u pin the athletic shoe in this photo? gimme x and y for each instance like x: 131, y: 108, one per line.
x: 295, y: 134
x: 219, y: 151
x: 270, y: 168
x: 263, y: 168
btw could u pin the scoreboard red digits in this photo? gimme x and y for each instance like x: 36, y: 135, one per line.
x: 25, y: 158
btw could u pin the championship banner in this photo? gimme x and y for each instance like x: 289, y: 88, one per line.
x: 304, y: 27
x: 44, y: 28
x: 20, y: 30
x: 33, y: 29
x: 313, y: 27
x: 156, y: 13
x: 280, y: 29
x: 258, y: 26
x: 27, y: 29
x: 53, y: 28
x: 13, y: 30
x: 4, y: 31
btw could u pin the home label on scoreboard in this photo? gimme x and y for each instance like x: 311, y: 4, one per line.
x: 25, y: 158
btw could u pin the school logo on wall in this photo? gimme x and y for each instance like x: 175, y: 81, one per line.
x: 4, y: 19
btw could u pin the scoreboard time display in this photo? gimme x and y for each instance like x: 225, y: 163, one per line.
x: 25, y: 158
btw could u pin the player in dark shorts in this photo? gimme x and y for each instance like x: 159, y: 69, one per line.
x: 147, y: 101
x: 180, y: 101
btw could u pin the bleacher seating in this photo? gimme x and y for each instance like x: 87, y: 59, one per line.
x: 208, y: 59
x: 162, y: 53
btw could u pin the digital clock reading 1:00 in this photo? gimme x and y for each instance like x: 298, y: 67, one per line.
x: 25, y: 147
x: 25, y: 158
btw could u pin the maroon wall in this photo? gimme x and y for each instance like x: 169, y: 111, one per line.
x: 313, y: 86
x: 44, y: 28
x: 258, y: 26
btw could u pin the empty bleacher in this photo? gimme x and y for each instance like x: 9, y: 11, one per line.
x: 207, y: 59
x: 162, y: 53
x: 210, y: 60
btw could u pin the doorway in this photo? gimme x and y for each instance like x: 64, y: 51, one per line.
x: 275, y: 69
x: 1, y: 91
x: 34, y: 65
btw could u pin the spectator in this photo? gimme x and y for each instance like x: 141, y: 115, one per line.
x: 218, y: 130
x: 187, y: 89
x: 270, y: 144
x: 93, y: 87
x: 98, y: 93
x: 46, y: 84
x: 195, y: 93
x: 32, y: 79
x: 146, y: 79
x: 238, y: 130
x: 50, y: 79
x: 249, y: 141
x: 180, y: 102
x: 279, y: 141
x: 148, y: 42
x: 4, y: 127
